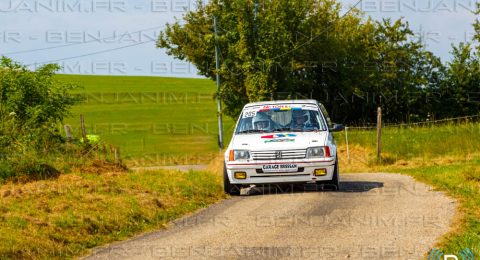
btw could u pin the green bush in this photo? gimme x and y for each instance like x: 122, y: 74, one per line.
x: 7, y: 170
x: 33, y: 105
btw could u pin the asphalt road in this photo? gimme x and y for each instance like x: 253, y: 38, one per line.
x: 373, y: 216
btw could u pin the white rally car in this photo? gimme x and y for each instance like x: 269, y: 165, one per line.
x: 282, y: 142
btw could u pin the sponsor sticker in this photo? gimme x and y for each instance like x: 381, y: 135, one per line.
x: 280, y: 168
x: 279, y: 138
x: 275, y: 136
x: 280, y: 141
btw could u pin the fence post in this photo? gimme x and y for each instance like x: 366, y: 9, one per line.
x: 82, y: 126
x: 118, y: 160
x: 379, y: 133
x: 68, y: 132
x: 104, y: 150
x: 346, y: 141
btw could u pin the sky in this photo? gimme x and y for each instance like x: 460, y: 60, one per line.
x: 90, y: 28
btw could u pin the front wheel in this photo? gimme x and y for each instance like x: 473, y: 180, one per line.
x: 229, y: 188
x: 335, y: 179
x: 334, y: 183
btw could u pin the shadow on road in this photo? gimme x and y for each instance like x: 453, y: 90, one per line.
x: 346, y: 186
x: 359, y: 186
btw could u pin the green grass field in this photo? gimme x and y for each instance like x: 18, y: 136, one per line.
x: 154, y: 121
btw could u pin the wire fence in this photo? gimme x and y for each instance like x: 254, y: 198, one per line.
x: 428, y: 122
x: 360, y: 133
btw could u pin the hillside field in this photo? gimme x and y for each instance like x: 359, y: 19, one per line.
x: 154, y: 120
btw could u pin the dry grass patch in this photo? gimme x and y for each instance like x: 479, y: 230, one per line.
x: 216, y: 165
x: 65, y: 217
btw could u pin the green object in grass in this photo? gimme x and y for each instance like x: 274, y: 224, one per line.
x: 93, y: 139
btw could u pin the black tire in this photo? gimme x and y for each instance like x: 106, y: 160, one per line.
x: 229, y: 188
x: 335, y: 182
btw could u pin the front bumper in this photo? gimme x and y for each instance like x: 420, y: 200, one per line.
x: 305, y: 173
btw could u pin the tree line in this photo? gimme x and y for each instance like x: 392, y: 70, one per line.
x: 277, y: 49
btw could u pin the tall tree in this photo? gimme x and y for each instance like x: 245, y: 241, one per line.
x: 459, y: 93
x: 279, y: 48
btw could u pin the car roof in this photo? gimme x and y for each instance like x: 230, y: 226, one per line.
x: 282, y: 102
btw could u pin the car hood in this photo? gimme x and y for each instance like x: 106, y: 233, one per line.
x: 278, y: 141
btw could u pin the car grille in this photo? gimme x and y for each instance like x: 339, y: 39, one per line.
x: 278, y: 155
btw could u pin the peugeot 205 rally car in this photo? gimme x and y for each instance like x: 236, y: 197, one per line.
x: 282, y: 142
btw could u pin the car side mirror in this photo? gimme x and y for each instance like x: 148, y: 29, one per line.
x: 337, y: 128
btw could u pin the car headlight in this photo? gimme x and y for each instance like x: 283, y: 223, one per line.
x: 321, y: 151
x: 239, y: 155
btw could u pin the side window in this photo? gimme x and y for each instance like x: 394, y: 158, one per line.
x: 325, y: 114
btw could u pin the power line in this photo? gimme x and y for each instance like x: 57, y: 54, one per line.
x: 90, y: 54
x: 78, y: 43
x: 132, y: 45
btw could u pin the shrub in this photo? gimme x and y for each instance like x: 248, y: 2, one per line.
x: 32, y: 106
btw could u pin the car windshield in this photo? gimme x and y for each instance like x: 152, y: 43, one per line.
x: 280, y: 119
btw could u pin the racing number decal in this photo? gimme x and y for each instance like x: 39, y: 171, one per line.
x: 247, y: 114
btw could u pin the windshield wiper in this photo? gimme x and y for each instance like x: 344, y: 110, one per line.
x: 288, y: 129
x: 297, y: 130
x: 281, y: 129
x: 252, y: 131
x: 313, y: 130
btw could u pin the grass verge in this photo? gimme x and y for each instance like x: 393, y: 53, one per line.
x: 462, y: 182
x: 446, y: 157
x: 62, y: 218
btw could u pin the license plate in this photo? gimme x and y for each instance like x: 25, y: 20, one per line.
x: 280, y: 168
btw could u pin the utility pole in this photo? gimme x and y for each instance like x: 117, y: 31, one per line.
x: 219, y: 102
x: 379, y: 133
x: 255, y: 12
